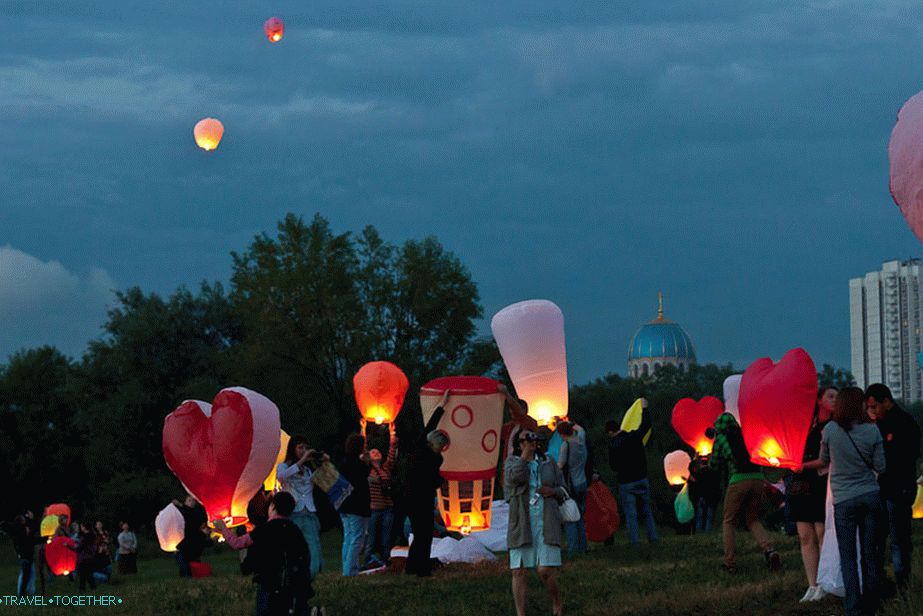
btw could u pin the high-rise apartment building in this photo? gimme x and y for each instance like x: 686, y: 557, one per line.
x: 884, y: 317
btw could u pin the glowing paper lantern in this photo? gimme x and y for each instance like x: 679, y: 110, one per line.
x: 58, y: 509
x: 691, y: 419
x: 632, y: 419
x: 676, y: 467
x: 222, y: 452
x: 61, y: 559
x: 208, y: 133
x: 270, y: 482
x: 274, y: 29
x: 777, y: 407
x: 732, y: 395
x: 49, y: 525
x: 530, y: 336
x: 380, y: 387
x: 170, y: 527
x: 473, y: 417
x: 906, y: 156
x: 918, y: 504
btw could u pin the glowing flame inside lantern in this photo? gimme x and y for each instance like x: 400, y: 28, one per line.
x: 208, y: 133
x: 544, y: 412
x: 704, y: 447
x: 770, y: 451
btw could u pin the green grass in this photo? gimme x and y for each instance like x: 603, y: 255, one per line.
x: 680, y: 577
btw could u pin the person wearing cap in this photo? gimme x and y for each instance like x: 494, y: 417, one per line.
x: 534, y: 488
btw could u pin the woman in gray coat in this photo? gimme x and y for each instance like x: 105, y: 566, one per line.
x: 534, y: 487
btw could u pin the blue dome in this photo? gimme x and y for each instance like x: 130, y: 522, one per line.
x: 661, y: 338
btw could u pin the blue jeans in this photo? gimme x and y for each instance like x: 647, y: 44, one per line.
x: 379, y: 539
x: 355, y: 528
x: 184, y: 569
x: 899, y: 512
x: 861, y: 513
x: 704, y: 516
x: 576, y: 531
x: 309, y: 524
x: 636, y: 500
x: 26, y: 578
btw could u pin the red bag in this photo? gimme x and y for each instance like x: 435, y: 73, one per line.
x: 200, y: 570
x: 602, y: 513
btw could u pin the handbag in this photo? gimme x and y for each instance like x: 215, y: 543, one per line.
x: 570, y: 512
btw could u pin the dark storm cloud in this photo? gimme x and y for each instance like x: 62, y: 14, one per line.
x: 731, y: 154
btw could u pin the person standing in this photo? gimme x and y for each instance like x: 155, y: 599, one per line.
x: 356, y: 509
x: 87, y: 549
x: 190, y: 549
x: 629, y: 461
x: 704, y: 492
x: 854, y: 450
x: 745, y: 494
x: 901, y: 437
x: 807, y: 494
x: 128, y: 550
x: 423, y: 479
x: 294, y: 475
x: 24, y: 544
x: 534, y: 488
x: 572, y: 462
x: 382, y: 503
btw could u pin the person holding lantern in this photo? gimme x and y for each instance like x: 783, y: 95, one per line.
x: 901, y: 436
x: 628, y: 460
x: 534, y: 488
x: 382, y: 502
x: 294, y: 475
x: 356, y: 509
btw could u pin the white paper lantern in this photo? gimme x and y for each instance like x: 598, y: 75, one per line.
x: 170, y: 527
x: 731, y: 394
x: 676, y: 467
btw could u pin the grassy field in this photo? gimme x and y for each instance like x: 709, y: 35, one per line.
x: 681, y: 576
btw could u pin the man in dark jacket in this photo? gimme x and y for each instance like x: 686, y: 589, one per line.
x: 901, y: 436
x: 423, y: 479
x: 24, y: 541
x: 190, y: 549
x: 629, y: 461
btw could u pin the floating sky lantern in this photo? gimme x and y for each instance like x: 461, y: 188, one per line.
x: 633, y: 417
x: 208, y: 133
x: 676, y: 467
x: 170, y: 527
x: 61, y: 558
x: 473, y: 418
x: 274, y: 29
x: 380, y: 387
x: 270, y: 482
x: 732, y: 395
x: 530, y: 336
x: 691, y: 419
x: 222, y: 452
x: 777, y: 407
x: 906, y: 156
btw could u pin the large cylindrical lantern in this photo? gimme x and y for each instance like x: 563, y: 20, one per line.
x: 691, y: 419
x: 472, y: 420
x: 777, y: 408
x: 530, y: 336
x: 223, y: 451
x: 732, y: 395
x: 274, y: 29
x: 380, y: 387
x: 676, y: 467
x: 208, y: 133
x: 61, y: 559
x: 170, y: 527
x: 270, y: 482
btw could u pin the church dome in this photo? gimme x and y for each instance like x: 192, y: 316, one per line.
x: 660, y: 342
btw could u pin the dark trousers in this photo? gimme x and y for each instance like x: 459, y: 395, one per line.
x: 85, y: 574
x: 422, y: 525
x: 184, y: 569
x: 862, y: 513
x: 897, y: 515
x: 25, y: 576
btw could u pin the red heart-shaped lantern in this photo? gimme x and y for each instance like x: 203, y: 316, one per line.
x: 61, y: 559
x: 777, y: 407
x: 222, y: 452
x: 691, y: 419
x: 906, y: 156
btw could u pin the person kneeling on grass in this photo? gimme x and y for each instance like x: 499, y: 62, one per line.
x: 278, y: 558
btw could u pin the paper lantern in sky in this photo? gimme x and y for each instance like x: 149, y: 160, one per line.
x: 530, y: 336
x: 222, y: 452
x: 380, y: 387
x: 676, y: 467
x: 732, y: 395
x: 208, y: 133
x: 918, y: 504
x: 905, y: 151
x: 691, y: 419
x: 632, y: 419
x: 274, y: 29
x: 473, y: 418
x: 777, y: 408
x: 61, y: 559
x: 170, y: 527
x: 270, y: 482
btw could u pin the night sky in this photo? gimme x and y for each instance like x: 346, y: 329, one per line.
x: 732, y: 154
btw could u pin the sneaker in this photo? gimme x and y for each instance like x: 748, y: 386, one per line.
x: 774, y: 561
x: 809, y: 594
x: 819, y: 594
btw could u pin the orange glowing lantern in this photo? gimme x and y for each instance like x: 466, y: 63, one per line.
x: 60, y: 555
x: 380, y: 387
x: 473, y: 418
x: 918, y: 504
x: 270, y: 482
x: 530, y: 336
x: 274, y: 29
x: 676, y: 467
x: 208, y: 133
x: 691, y: 419
x: 776, y: 408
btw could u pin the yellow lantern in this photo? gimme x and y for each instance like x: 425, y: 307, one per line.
x: 208, y: 133
x: 918, y: 504
x: 473, y: 419
x: 49, y: 525
x: 676, y: 467
x: 632, y: 419
x: 270, y: 482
